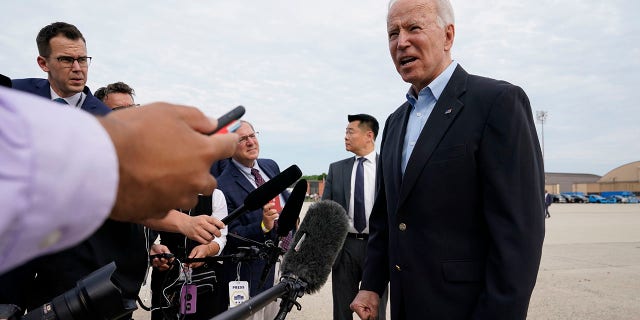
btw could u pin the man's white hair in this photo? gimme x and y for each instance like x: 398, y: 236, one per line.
x: 444, y: 9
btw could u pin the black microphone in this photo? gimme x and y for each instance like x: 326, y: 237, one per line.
x: 5, y: 81
x: 291, y: 211
x: 264, y: 193
x: 306, y: 265
x: 286, y: 223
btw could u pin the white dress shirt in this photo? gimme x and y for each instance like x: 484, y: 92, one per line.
x: 369, y: 188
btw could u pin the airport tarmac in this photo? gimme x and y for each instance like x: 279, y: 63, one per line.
x: 590, y: 268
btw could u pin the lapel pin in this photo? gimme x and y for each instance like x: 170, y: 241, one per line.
x: 448, y: 111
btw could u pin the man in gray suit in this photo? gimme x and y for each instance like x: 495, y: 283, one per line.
x: 356, y: 195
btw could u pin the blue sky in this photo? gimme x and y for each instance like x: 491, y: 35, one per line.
x: 300, y: 67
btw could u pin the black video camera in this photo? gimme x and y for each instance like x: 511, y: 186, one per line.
x: 94, y: 297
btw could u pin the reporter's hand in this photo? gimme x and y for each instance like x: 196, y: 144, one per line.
x: 161, y: 264
x: 202, y: 251
x: 164, y: 158
x: 365, y: 305
x: 201, y: 228
x: 269, y: 215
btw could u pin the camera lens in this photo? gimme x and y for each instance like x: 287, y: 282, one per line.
x: 93, y: 297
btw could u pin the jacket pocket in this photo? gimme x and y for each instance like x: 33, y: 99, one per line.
x: 448, y: 153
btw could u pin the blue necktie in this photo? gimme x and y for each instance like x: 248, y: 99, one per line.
x: 359, y: 217
x: 60, y: 100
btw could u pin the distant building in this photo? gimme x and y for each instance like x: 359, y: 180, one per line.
x: 315, y: 188
x: 622, y: 178
x: 565, y: 182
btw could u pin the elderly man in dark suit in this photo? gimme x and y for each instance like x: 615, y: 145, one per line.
x: 456, y: 227
x: 63, y: 56
x: 356, y: 196
x: 243, y: 174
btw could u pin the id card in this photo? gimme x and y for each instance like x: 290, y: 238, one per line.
x: 188, y: 295
x: 238, y: 293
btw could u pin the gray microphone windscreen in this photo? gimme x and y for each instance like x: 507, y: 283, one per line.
x: 316, y: 244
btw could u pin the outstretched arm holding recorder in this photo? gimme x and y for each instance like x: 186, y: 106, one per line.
x: 129, y: 165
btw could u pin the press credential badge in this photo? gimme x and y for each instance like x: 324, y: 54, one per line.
x: 238, y: 293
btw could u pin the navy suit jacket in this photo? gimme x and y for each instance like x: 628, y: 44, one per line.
x: 459, y: 235
x: 41, y: 88
x: 235, y: 186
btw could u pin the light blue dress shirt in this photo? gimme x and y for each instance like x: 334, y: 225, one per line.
x: 421, y: 108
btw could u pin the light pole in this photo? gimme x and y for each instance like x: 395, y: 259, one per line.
x: 542, y: 117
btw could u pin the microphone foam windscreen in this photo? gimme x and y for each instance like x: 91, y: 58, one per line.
x: 323, y: 230
x: 291, y: 211
x: 270, y: 189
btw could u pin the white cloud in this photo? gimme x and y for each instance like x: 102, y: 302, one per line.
x: 301, y: 67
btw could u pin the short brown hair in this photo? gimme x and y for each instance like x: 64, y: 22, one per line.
x: 48, y: 32
x: 117, y: 87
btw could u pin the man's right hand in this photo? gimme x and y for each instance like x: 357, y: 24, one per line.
x: 365, y: 305
x: 164, y: 158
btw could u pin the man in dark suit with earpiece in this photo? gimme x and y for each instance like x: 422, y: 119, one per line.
x: 355, y: 193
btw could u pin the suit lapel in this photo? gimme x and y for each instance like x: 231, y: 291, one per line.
x: 345, y: 173
x: 397, y: 141
x: 441, y: 118
x: 87, y: 103
x: 240, y: 179
x: 43, y: 89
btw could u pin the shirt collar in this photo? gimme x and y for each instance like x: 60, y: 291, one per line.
x: 246, y: 170
x: 73, y: 100
x: 436, y: 86
x: 371, y: 157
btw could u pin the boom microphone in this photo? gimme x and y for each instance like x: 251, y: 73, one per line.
x: 316, y: 244
x: 264, y: 193
x: 306, y: 265
x: 291, y: 211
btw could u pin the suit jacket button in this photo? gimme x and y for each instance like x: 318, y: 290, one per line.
x: 402, y: 227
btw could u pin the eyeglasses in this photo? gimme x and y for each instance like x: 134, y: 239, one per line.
x: 244, y: 139
x: 67, y: 61
x: 125, y: 107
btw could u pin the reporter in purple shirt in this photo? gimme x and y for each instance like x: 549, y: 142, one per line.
x: 48, y: 166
